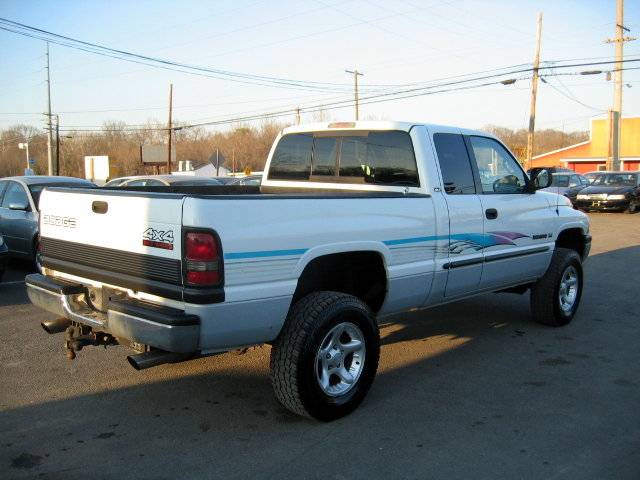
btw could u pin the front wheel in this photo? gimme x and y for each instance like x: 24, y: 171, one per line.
x: 326, y: 357
x: 556, y: 296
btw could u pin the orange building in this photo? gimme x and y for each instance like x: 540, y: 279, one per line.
x: 591, y: 155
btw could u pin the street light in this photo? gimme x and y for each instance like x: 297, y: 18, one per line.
x: 25, y: 146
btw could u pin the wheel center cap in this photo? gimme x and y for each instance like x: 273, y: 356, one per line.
x: 337, y: 358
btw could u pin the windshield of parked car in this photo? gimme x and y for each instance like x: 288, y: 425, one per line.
x: 560, y: 181
x: 115, y: 182
x: 36, y: 190
x: 616, y: 180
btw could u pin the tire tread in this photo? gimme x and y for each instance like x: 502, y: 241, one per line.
x: 290, y: 344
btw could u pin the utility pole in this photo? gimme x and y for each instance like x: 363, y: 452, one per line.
x: 615, y: 117
x: 534, y: 93
x: 57, y: 145
x: 49, y: 129
x: 169, y: 128
x: 356, y: 74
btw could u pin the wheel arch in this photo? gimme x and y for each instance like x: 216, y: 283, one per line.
x: 358, y: 272
x: 573, y: 238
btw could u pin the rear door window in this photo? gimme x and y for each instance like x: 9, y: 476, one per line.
x: 455, y: 164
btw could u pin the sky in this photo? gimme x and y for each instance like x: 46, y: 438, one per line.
x: 391, y: 42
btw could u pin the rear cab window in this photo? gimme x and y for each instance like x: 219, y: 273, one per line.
x: 362, y: 157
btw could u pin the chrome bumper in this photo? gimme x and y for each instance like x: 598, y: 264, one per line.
x: 160, y: 327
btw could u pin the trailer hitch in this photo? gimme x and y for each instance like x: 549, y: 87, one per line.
x: 78, y: 336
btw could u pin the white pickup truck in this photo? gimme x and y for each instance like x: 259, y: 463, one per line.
x: 353, y: 222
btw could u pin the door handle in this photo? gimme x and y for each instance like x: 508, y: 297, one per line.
x: 491, y: 213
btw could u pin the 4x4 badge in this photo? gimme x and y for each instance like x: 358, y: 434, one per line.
x: 158, y: 238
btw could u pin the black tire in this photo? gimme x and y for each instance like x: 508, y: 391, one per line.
x: 294, y: 355
x: 545, y: 293
x: 632, y: 208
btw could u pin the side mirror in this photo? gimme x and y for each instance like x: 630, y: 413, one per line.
x: 19, y: 206
x: 542, y: 179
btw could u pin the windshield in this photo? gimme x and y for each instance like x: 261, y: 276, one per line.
x: 115, y: 182
x: 616, y: 180
x: 36, y: 190
x: 560, y: 181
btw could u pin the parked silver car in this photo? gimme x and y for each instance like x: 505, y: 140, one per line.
x: 19, y: 197
x: 161, y: 181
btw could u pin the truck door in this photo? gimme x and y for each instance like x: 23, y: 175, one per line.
x: 518, y: 225
x: 465, y: 241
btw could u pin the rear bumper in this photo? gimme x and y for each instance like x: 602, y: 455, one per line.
x: 164, y: 328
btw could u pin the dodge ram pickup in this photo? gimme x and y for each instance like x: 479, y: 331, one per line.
x: 354, y: 221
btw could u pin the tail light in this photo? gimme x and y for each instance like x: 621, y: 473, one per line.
x: 202, y: 259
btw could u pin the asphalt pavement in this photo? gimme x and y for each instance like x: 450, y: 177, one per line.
x: 469, y: 390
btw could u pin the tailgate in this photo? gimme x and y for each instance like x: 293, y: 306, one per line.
x: 127, y: 239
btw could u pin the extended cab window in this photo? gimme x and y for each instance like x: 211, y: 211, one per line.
x: 292, y: 158
x: 455, y: 164
x: 381, y: 158
x: 499, y: 171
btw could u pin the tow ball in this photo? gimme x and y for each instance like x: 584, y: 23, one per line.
x: 79, y: 336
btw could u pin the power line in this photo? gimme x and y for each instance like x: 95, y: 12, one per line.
x: 371, y: 99
x: 252, y: 79
x: 570, y: 96
x: 63, y: 40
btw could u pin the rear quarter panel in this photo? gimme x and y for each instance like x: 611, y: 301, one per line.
x: 268, y: 241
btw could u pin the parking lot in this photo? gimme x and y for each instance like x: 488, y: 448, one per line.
x: 471, y: 390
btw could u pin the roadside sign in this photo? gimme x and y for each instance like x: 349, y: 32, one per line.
x: 157, y: 154
x: 32, y: 161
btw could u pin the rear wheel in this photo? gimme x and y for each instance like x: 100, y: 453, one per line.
x: 326, y: 357
x: 556, y: 296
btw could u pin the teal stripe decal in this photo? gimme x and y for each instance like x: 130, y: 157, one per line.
x: 264, y: 253
x: 481, y: 240
x: 403, y: 241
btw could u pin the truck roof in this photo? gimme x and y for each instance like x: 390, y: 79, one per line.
x: 371, y: 125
